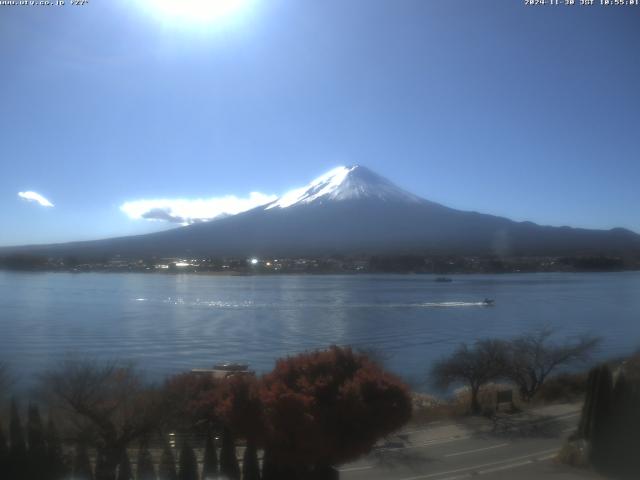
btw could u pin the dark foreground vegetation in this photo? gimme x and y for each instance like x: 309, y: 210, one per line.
x: 608, y: 437
x: 314, y: 411
x: 104, y: 422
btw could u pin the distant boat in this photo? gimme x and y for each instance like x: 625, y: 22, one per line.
x: 444, y: 279
x: 488, y: 302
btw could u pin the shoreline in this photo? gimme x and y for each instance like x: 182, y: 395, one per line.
x: 303, y: 273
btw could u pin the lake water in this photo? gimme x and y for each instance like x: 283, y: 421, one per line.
x: 169, y: 323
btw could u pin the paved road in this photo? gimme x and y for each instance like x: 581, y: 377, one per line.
x: 514, y: 447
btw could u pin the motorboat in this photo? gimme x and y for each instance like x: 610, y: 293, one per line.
x: 488, y: 302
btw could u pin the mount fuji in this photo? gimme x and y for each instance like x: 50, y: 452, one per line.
x: 345, y: 183
x: 352, y: 210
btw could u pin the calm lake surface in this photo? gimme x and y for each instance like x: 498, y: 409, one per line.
x: 170, y: 323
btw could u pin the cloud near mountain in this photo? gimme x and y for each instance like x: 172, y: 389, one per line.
x: 186, y: 211
x: 35, y: 197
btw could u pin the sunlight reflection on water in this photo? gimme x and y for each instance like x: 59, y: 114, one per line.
x: 173, y: 322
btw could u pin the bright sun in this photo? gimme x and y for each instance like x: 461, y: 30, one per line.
x: 200, y: 12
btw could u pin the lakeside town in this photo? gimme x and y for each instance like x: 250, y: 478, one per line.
x: 339, y: 264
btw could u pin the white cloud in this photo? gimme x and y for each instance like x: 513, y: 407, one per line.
x: 35, y: 197
x: 185, y: 211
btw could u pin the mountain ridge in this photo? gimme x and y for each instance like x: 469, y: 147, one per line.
x: 353, y: 210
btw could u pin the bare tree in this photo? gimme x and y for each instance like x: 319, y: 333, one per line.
x: 110, y: 401
x: 473, y: 366
x: 534, y: 356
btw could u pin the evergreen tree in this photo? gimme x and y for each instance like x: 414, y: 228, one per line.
x: 167, y: 469
x: 624, y: 439
x: 4, y: 454
x: 325, y: 472
x: 103, y: 471
x: 146, y: 470
x: 188, y: 463
x: 584, y: 428
x: 274, y: 471
x: 250, y: 465
x: 37, y: 453
x: 18, y: 463
x: 634, y: 416
x: 229, y: 467
x: 601, y: 419
x: 210, y: 461
x: 56, y: 467
x: 609, y: 422
x: 269, y: 468
x: 124, y: 468
x: 81, y: 463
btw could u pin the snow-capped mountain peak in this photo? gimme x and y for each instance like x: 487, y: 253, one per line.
x: 345, y: 183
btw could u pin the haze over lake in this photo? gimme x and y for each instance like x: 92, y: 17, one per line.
x: 169, y: 323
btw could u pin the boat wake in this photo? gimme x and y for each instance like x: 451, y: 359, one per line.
x: 179, y: 301
x: 453, y: 304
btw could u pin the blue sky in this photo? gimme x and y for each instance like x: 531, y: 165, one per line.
x: 527, y: 112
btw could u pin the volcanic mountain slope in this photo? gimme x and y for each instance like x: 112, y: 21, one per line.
x: 352, y: 210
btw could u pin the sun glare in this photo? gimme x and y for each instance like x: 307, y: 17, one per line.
x: 196, y: 12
